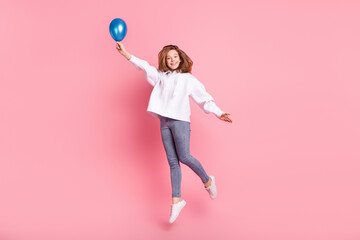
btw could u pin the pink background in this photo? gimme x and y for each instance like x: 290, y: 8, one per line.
x: 81, y: 158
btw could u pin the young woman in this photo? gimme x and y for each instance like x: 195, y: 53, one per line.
x: 169, y: 101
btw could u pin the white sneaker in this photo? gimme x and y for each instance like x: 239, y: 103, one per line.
x: 212, y: 188
x: 175, y: 210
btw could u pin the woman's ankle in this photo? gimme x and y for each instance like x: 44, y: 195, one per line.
x: 176, y: 200
x: 208, y: 183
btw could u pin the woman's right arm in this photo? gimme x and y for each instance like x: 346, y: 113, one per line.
x: 152, y: 74
x: 120, y: 47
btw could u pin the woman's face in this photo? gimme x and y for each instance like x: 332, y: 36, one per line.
x: 173, y: 59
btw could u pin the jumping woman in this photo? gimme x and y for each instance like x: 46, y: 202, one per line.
x: 173, y: 84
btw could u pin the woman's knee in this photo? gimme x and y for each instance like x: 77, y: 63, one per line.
x: 173, y: 163
x: 186, y: 159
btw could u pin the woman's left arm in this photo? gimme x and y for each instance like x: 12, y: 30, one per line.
x: 205, y: 100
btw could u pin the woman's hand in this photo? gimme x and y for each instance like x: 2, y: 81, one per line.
x: 225, y: 117
x: 120, y: 47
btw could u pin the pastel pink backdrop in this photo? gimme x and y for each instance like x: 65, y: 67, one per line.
x: 81, y: 159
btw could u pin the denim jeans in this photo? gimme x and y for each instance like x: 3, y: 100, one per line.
x: 175, y: 136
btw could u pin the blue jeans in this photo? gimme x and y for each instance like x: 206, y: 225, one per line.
x: 175, y: 136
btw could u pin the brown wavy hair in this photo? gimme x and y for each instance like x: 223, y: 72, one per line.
x: 185, y: 64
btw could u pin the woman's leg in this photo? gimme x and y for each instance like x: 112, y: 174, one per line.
x: 175, y: 171
x: 181, y: 134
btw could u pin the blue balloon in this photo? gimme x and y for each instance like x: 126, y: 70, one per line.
x: 118, y: 29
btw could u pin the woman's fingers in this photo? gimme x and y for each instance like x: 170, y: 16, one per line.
x: 118, y: 46
x: 227, y: 119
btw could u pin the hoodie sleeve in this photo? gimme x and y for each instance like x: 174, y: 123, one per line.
x: 202, y: 98
x: 151, y: 73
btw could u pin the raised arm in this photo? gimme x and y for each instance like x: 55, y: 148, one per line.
x: 152, y: 74
x: 120, y: 47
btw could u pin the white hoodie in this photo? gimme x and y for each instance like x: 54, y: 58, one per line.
x: 170, y: 95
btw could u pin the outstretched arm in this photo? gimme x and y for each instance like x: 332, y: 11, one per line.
x: 120, y: 47
x: 152, y: 74
x: 206, y: 101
